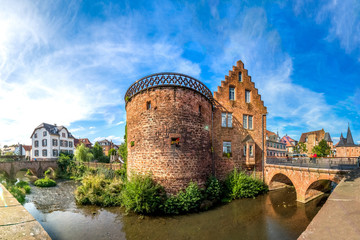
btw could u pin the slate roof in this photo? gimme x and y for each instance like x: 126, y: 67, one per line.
x: 327, y: 137
x: 346, y: 142
x: 52, y: 129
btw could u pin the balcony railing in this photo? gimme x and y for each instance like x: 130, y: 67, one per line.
x: 167, y: 79
x: 347, y: 163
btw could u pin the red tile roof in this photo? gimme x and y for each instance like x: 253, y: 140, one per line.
x: 288, y: 140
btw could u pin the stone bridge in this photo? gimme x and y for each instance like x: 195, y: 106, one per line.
x: 36, y: 167
x: 309, y: 180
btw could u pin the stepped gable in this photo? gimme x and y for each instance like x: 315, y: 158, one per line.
x: 233, y: 80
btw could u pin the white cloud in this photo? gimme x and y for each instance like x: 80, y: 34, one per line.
x: 119, y: 123
x: 289, y: 105
x: 92, y: 127
x: 116, y: 140
x: 76, y: 129
x: 50, y: 74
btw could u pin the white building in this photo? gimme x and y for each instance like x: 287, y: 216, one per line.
x: 48, y: 141
x: 23, y: 150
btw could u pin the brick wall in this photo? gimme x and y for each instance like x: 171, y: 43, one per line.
x: 237, y: 134
x: 174, y: 113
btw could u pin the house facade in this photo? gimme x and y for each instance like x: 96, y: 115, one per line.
x: 84, y: 141
x: 24, y: 150
x: 311, y: 139
x: 274, y: 147
x: 346, y: 146
x: 48, y: 141
x: 106, y: 145
x: 289, y: 143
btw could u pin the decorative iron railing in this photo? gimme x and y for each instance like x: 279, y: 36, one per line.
x: 168, y: 79
x: 347, y: 163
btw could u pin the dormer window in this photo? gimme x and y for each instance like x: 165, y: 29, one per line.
x: 44, y: 133
x: 232, y: 93
x: 63, y: 134
x: 240, y: 77
x: 35, y: 135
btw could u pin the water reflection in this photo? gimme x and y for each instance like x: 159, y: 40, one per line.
x: 276, y: 215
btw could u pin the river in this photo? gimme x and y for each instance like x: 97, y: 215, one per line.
x: 275, y: 215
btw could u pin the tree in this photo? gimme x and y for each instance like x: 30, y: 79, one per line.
x: 97, y: 151
x: 301, y: 148
x: 112, y: 152
x: 322, y: 150
x: 83, y: 153
x: 123, y: 147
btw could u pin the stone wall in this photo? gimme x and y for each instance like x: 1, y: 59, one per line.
x: 348, y: 151
x: 237, y: 134
x: 156, y: 119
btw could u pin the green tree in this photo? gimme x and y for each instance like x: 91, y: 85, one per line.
x: 9, y: 154
x: 97, y: 151
x: 123, y: 147
x: 301, y: 148
x: 322, y: 150
x: 83, y: 154
x: 112, y: 152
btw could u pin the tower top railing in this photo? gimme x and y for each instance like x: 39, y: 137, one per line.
x: 168, y: 79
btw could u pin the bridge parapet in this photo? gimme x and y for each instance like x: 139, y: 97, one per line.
x: 348, y: 163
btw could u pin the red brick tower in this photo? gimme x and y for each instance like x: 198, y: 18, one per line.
x: 169, y: 119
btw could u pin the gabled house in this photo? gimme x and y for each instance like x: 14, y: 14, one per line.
x: 274, y: 147
x: 311, y: 139
x: 289, y: 143
x: 107, y: 145
x: 85, y: 141
x: 346, y: 146
x: 23, y: 150
x: 48, y: 141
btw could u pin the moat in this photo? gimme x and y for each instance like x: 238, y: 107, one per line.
x: 275, y: 215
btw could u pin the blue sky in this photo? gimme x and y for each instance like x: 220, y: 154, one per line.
x: 71, y: 62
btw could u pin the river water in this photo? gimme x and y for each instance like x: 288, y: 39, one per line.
x: 275, y: 215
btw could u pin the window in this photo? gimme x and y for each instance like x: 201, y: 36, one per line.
x: 66, y: 143
x: 245, y: 150
x: 251, y: 150
x: 226, y: 147
x: 44, y: 133
x: 61, y: 143
x: 44, y: 153
x: 55, y: 142
x: 36, y: 153
x: 245, y: 125
x: 35, y: 135
x: 250, y: 122
x: 247, y: 96
x: 200, y: 110
x: 223, y: 119
x: 306, y: 139
x: 231, y: 93
x: 226, y: 119
x: 55, y: 153
x: 148, y: 105
x: 44, y: 142
x: 63, y: 134
x: 240, y: 77
x: 70, y: 144
x: 36, y: 143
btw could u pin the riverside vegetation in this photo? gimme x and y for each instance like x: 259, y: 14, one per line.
x: 17, y: 189
x: 141, y: 194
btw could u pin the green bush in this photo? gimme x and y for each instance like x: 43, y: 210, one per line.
x: 29, y: 173
x: 213, y: 189
x: 184, y: 202
x: 18, y: 193
x: 240, y: 185
x: 24, y: 185
x: 45, y: 182
x: 142, y: 195
x: 98, y: 190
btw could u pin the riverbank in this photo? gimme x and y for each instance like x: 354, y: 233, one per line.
x: 339, y: 218
x: 16, y: 222
x: 275, y: 215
